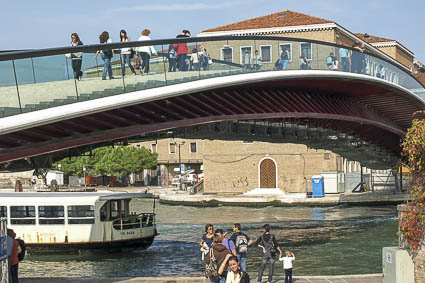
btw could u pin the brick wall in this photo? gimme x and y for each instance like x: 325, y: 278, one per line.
x: 233, y: 166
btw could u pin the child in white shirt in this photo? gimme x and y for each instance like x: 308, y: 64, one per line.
x: 287, y: 265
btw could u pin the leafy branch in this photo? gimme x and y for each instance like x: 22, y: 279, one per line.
x: 412, y: 223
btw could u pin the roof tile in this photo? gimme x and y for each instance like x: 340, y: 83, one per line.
x: 373, y: 39
x: 279, y: 19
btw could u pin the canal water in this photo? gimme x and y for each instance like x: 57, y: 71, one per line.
x: 326, y: 241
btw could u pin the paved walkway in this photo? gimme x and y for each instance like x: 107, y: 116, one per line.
x: 367, y: 278
x: 47, y: 91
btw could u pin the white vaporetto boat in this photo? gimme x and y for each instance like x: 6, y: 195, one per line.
x: 78, y: 221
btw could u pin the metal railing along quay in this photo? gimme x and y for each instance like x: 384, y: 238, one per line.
x: 39, y: 79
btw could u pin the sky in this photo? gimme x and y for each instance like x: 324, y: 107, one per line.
x: 28, y: 24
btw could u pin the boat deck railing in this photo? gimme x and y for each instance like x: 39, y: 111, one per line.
x: 38, y: 79
x: 134, y: 221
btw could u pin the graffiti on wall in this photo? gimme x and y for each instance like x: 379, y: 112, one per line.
x: 219, y: 183
x: 240, y: 182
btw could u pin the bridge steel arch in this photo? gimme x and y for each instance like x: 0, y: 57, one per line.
x: 377, y: 111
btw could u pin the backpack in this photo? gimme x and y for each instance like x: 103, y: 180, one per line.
x: 212, y: 268
x: 269, y: 246
x: 21, y: 243
x: 171, y: 52
x: 329, y: 60
x: 241, y: 244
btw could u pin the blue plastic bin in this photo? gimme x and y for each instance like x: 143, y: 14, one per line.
x: 317, y: 186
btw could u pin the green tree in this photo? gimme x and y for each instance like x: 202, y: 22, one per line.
x: 124, y: 160
x: 112, y: 161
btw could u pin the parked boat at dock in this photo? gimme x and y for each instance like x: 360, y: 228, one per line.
x: 78, y: 221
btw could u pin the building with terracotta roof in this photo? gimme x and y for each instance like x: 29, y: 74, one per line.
x: 298, y: 25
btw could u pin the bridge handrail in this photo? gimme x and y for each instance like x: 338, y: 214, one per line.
x: 4, y: 56
x: 27, y: 68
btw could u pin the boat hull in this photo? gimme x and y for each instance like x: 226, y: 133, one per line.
x: 105, y: 246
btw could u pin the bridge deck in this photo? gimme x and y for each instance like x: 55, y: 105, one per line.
x: 92, y: 88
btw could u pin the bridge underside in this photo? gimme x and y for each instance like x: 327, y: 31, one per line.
x: 356, y: 118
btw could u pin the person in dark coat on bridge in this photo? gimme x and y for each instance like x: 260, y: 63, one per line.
x: 358, y: 61
x: 304, y: 63
x: 106, y: 55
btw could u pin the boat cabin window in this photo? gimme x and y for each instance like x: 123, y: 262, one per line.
x: 3, y: 211
x: 22, y: 215
x: 80, y: 214
x: 51, y: 214
x: 115, y: 209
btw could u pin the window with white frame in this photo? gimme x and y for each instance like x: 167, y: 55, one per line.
x: 246, y: 55
x: 193, y: 148
x: 153, y: 147
x: 266, y: 53
x: 227, y: 54
x: 288, y: 48
x: 305, y: 50
x: 172, y: 148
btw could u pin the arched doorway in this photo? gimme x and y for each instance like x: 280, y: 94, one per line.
x: 267, y: 173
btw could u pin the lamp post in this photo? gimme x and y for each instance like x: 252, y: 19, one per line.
x: 180, y: 161
x: 59, y: 166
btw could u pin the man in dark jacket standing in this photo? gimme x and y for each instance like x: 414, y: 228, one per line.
x: 269, y: 245
x: 241, y: 241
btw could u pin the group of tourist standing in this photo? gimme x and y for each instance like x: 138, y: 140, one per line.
x: 177, y: 55
x: 225, y: 259
x: 142, y: 53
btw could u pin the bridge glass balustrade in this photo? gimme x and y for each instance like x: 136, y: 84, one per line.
x: 33, y: 83
x: 95, y: 84
x: 45, y: 82
x: 9, y: 99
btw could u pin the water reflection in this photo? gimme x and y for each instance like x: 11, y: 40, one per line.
x: 336, y: 240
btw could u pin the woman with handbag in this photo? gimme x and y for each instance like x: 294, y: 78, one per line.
x: 125, y: 53
x: 146, y: 51
x: 216, y: 264
x: 76, y: 57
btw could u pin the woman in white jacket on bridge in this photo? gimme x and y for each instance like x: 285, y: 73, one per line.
x: 145, y: 51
